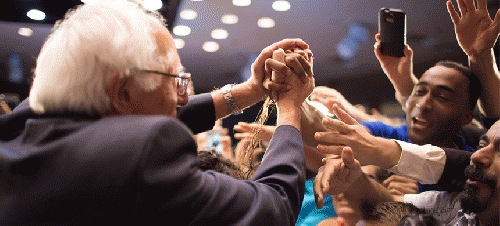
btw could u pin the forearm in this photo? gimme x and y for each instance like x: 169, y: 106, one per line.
x: 486, y: 69
x: 244, y: 95
x: 313, y: 157
x: 367, y: 192
x: 311, y: 122
x: 403, y: 84
x: 289, y: 115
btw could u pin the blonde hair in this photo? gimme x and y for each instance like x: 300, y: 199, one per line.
x: 92, y: 43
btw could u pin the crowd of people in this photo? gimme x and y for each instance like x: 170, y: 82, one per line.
x: 113, y: 133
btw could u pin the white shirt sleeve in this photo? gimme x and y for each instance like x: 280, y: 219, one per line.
x: 424, y: 163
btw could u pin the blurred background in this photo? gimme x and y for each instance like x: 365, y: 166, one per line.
x: 219, y: 39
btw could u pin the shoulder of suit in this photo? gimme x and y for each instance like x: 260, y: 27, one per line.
x: 140, y: 122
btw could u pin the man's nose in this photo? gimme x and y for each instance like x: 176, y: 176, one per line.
x: 425, y: 102
x: 483, y: 157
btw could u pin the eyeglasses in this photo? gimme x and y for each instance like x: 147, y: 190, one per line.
x: 182, y: 79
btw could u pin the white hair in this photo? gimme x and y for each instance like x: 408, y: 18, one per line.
x: 94, y: 42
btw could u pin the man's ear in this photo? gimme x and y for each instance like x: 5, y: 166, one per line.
x: 118, y: 94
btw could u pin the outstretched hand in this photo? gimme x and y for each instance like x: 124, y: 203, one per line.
x: 368, y: 149
x: 336, y: 176
x: 247, y: 130
x: 476, y: 32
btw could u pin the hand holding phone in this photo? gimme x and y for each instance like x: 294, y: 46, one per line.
x: 392, y: 29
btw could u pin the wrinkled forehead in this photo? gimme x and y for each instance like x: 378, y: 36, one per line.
x: 493, y: 133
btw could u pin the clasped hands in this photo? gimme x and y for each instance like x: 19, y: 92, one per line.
x: 277, y: 66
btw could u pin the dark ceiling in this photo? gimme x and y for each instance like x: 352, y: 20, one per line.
x: 322, y: 24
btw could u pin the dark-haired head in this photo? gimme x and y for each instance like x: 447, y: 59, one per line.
x: 474, y: 83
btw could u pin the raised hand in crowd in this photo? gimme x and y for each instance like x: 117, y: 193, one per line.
x: 336, y: 176
x: 477, y: 34
x: 399, y: 70
x: 348, y: 132
x: 246, y: 130
x: 400, y: 185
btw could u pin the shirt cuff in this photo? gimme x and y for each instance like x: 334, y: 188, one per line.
x: 424, y: 163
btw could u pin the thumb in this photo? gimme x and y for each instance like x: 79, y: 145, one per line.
x: 348, y: 158
x: 408, y: 51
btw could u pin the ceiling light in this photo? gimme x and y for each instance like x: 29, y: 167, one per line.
x: 229, y: 19
x: 179, y: 43
x: 219, y: 34
x: 152, y: 4
x: 281, y: 5
x: 89, y: 1
x: 36, y: 14
x: 24, y: 31
x: 210, y: 46
x: 265, y: 22
x: 188, y: 14
x: 181, y: 30
x: 242, y: 2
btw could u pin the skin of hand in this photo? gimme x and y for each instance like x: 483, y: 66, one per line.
x: 337, y: 175
x: 399, y: 70
x: 296, y: 71
x: 246, y: 131
x: 297, y: 60
x: 476, y: 32
x: 259, y: 85
x: 368, y: 149
x: 328, y: 96
x: 261, y: 79
x: 401, y: 185
x: 313, y: 157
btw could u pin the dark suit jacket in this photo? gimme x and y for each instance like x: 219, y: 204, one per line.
x: 137, y: 170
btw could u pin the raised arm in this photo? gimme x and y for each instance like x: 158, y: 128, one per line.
x: 477, y: 33
x: 399, y: 70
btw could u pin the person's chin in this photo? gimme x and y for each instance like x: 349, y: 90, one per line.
x: 476, y: 196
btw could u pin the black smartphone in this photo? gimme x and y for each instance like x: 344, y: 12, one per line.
x: 392, y: 29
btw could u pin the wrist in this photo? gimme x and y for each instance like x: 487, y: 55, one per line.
x: 481, y: 56
x: 255, y: 88
x: 288, y: 115
x: 390, y: 155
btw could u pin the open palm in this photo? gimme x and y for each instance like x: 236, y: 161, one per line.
x: 476, y: 32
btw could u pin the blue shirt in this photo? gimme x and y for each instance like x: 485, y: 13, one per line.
x: 309, y: 215
x: 401, y: 133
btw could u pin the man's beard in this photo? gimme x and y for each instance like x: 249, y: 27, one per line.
x: 469, y: 197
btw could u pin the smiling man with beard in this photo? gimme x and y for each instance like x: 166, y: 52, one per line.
x: 481, y: 194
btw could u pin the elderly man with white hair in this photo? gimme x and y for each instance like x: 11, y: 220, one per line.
x: 105, y: 137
